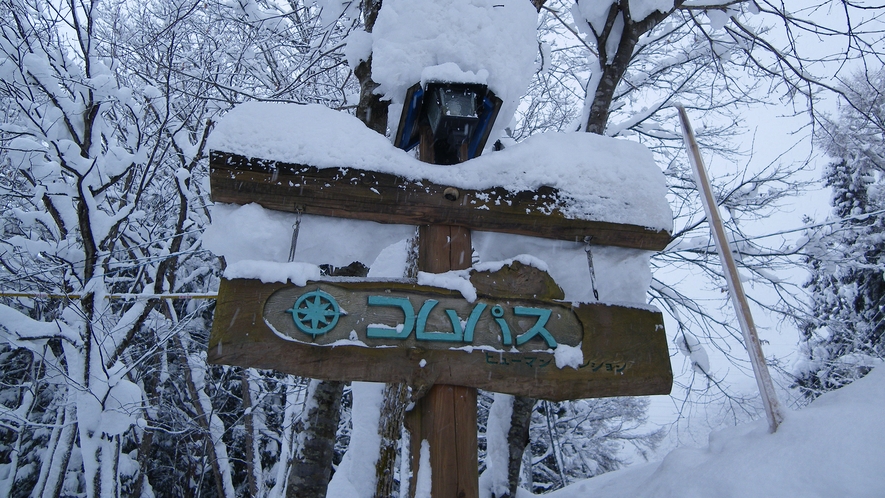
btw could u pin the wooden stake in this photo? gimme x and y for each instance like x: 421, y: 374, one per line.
x: 446, y: 416
x: 739, y: 300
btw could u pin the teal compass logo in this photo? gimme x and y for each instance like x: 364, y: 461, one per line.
x: 315, y: 313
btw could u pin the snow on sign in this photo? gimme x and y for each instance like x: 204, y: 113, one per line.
x: 396, y: 331
x: 565, y: 186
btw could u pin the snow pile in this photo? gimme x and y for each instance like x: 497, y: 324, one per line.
x: 355, y: 476
x: 599, y: 178
x: 495, y: 479
x: 485, y: 41
x: 271, y: 271
x: 303, y: 134
x: 568, y: 356
x: 457, y: 280
x: 831, y: 448
x: 392, y: 261
x: 622, y: 275
x: 640, y: 9
x: 20, y: 331
x: 252, y: 233
x: 122, y: 406
x: 425, y: 473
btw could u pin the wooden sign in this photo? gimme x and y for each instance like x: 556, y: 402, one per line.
x: 433, y: 339
x: 384, y: 198
x: 395, y: 331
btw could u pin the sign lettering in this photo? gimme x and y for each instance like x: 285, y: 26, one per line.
x: 324, y: 313
x: 317, y: 312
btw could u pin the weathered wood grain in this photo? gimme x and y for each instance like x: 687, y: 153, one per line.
x: 449, y: 419
x: 385, y: 198
x: 446, y: 415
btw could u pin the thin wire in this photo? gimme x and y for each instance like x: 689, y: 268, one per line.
x: 590, y: 264
x: 295, y: 229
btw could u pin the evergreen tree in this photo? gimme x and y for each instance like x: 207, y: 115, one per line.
x: 847, y: 261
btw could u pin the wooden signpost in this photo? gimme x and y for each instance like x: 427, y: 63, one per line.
x: 517, y: 337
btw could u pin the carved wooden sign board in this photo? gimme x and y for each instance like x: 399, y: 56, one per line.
x: 399, y: 331
x: 395, y: 331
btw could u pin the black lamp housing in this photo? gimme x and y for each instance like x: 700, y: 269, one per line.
x: 460, y: 117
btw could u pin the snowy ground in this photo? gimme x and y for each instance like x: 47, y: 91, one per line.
x: 833, y: 448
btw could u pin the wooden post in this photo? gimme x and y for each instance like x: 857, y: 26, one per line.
x: 773, y: 409
x: 446, y: 416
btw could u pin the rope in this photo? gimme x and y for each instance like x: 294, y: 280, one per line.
x: 128, y: 296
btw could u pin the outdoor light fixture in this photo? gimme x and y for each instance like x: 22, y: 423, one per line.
x: 459, y: 117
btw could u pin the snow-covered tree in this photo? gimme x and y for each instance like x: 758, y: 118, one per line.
x: 616, y: 67
x: 106, y: 108
x: 579, y: 439
x: 846, y: 333
x: 84, y: 158
x: 567, y: 441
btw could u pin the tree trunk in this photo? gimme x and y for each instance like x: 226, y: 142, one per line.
x: 55, y: 465
x: 290, y: 394
x: 312, y: 468
x: 613, y: 68
x: 147, y: 437
x: 371, y: 110
x: 518, y: 438
x: 390, y: 427
x: 218, y: 458
x: 253, y: 464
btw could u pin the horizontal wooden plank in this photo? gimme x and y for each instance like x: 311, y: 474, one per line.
x: 624, y: 349
x: 385, y: 198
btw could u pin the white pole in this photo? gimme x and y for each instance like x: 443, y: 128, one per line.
x: 738, y: 298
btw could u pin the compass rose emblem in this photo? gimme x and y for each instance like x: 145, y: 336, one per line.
x: 315, y: 313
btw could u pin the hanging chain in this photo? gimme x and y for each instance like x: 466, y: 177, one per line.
x: 590, y: 264
x: 295, y: 228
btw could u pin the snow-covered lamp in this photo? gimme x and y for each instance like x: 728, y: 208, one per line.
x: 458, y: 114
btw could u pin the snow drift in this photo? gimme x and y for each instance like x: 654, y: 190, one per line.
x: 831, y: 448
